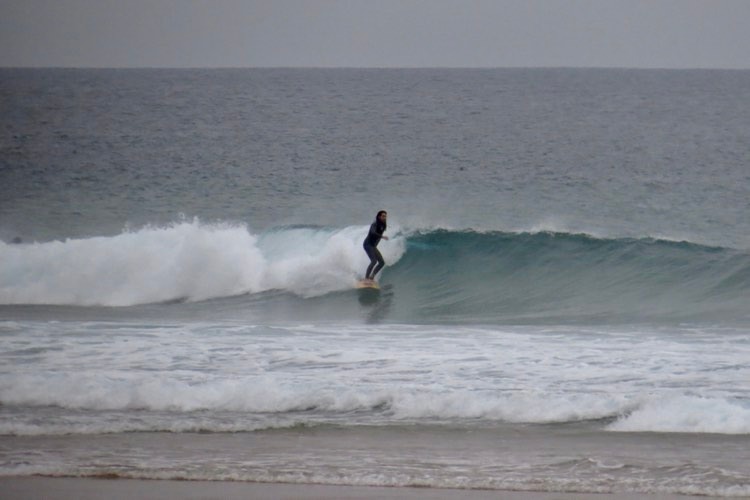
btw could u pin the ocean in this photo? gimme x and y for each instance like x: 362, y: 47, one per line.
x: 565, y: 304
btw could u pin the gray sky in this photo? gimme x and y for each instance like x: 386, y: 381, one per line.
x: 376, y: 33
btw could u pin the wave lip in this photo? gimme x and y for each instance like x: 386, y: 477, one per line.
x: 687, y: 414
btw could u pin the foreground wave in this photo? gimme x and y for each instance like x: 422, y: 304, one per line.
x: 230, y: 377
x: 244, y: 406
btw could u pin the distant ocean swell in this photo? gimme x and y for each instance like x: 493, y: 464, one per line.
x: 438, y: 275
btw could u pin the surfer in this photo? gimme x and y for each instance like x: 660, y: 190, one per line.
x: 377, y: 228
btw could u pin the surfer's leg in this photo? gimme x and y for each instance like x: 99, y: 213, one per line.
x: 380, y: 261
x: 372, y: 253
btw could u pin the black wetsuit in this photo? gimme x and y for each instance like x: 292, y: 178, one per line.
x: 371, y: 247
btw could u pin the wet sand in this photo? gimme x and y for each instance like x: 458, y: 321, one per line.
x: 25, y: 488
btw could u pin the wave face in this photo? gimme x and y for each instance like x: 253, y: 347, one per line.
x: 560, y: 276
x: 431, y: 276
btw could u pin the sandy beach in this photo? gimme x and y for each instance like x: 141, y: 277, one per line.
x: 24, y: 488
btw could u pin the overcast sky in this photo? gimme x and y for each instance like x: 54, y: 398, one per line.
x: 376, y: 33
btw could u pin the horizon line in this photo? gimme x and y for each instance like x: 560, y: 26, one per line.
x: 313, y: 67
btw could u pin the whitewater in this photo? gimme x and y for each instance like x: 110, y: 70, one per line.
x: 252, y: 378
x: 183, y: 261
x: 565, y: 304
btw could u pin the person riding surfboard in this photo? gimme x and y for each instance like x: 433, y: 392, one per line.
x: 377, y: 228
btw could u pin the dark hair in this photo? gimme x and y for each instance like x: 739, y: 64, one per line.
x: 381, y: 213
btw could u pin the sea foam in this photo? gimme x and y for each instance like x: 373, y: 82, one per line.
x: 189, y: 261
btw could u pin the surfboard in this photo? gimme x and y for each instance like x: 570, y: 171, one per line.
x: 367, y: 285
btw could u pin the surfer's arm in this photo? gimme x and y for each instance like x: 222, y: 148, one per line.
x: 379, y: 234
x: 374, y: 231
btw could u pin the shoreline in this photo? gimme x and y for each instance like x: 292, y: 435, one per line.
x: 25, y: 487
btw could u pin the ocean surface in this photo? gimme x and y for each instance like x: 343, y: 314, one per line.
x: 565, y: 306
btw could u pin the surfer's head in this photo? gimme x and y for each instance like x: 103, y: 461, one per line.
x: 380, y: 220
